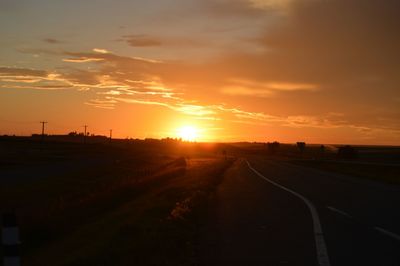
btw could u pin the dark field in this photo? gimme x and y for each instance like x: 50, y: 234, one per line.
x: 376, y: 163
x: 138, y: 202
x: 101, y: 204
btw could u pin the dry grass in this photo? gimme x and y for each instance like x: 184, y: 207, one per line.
x: 128, y: 210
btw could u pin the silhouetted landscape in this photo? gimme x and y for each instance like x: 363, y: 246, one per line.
x: 200, y: 133
x: 148, y: 201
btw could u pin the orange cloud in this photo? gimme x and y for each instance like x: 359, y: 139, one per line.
x: 141, y: 40
x: 101, y: 51
x: 104, y: 104
x: 263, y: 89
x: 11, y: 71
x: 82, y: 59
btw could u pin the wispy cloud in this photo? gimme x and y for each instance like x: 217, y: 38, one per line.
x: 272, y: 4
x: 82, y: 59
x: 52, y: 41
x: 232, y: 8
x: 245, y: 91
x: 141, y: 40
x: 31, y: 79
x: 101, y: 51
x: 144, y: 40
x: 22, y: 72
x: 237, y: 115
x: 171, y: 84
x: 102, y: 103
x: 244, y: 87
x: 36, y: 87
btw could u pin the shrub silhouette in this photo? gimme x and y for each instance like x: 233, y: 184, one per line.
x: 273, y: 147
x: 301, y: 146
x: 347, y: 152
x: 322, y: 149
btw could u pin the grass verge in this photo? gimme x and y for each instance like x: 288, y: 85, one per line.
x: 150, y: 221
x: 381, y: 173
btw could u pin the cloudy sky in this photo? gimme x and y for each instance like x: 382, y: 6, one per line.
x: 321, y: 71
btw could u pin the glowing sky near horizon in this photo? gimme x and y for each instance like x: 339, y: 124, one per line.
x: 321, y: 71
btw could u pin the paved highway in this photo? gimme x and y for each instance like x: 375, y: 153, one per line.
x: 269, y: 212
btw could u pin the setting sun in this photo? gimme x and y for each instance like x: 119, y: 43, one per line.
x: 188, y: 133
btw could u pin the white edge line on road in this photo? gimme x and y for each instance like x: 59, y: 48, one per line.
x: 388, y: 233
x: 339, y: 211
x: 322, y: 252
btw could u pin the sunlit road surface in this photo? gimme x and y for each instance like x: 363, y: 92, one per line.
x: 255, y: 222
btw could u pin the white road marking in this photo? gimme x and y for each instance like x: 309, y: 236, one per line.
x: 388, y: 233
x: 339, y: 211
x: 322, y: 252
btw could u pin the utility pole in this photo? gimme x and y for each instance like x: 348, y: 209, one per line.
x: 43, y: 122
x: 84, y: 137
x: 110, y: 135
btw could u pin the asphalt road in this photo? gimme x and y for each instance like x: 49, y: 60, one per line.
x: 256, y: 222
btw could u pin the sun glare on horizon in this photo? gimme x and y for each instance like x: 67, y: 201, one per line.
x: 188, y: 133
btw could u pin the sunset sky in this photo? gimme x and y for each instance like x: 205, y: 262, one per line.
x: 320, y: 71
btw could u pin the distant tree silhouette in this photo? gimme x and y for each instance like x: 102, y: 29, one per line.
x: 301, y: 146
x: 347, y: 152
x: 273, y: 147
x: 322, y: 148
